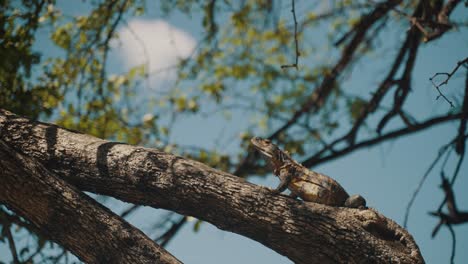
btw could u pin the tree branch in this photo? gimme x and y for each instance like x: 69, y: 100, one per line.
x: 161, y: 180
x: 442, y: 25
x: 454, y: 217
x: 409, y: 45
x: 319, y: 158
x: 321, y: 93
x: 59, y: 210
x: 296, y: 42
x: 11, y: 243
x: 319, y: 96
x: 460, y: 145
x: 444, y: 82
x: 129, y: 211
x: 172, y: 231
x: 441, y: 152
x: 404, y: 85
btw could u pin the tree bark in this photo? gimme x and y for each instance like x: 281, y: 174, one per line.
x: 305, y: 232
x: 71, y: 218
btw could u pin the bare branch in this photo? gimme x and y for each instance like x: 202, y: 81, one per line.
x: 410, y: 46
x: 165, y: 238
x: 11, y: 243
x: 129, y: 210
x: 455, y: 173
x: 460, y: 146
x: 454, y: 244
x: 319, y: 158
x: 14, y: 219
x: 321, y: 93
x: 404, y: 85
x: 296, y: 64
x: 441, y: 152
x: 444, y: 82
x: 454, y: 217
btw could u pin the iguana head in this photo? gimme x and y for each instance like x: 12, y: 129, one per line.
x: 270, y: 151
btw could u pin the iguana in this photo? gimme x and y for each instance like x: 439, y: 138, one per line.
x: 308, y: 185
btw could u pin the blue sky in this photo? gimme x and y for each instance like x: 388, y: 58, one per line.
x: 386, y: 175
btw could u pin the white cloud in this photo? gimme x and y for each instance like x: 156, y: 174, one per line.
x: 156, y: 42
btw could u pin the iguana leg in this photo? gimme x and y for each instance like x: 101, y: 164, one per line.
x: 293, y: 195
x: 285, y: 178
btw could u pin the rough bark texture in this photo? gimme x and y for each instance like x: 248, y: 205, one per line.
x: 71, y: 218
x: 305, y: 232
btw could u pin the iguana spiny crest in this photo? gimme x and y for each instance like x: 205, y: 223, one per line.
x: 308, y: 185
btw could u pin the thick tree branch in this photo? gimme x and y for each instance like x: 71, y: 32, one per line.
x: 69, y: 217
x: 314, y: 233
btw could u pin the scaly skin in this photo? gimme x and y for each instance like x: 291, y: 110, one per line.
x: 308, y: 185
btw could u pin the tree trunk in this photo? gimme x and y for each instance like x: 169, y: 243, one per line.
x: 305, y: 232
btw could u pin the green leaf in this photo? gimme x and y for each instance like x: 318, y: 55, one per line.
x: 196, y: 226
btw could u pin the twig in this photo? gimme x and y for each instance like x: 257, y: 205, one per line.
x: 296, y: 64
x: 129, y: 210
x: 442, y: 150
x: 19, y: 222
x: 343, y: 38
x: 144, y: 49
x: 37, y: 252
x: 11, y: 243
x: 454, y: 244
x: 455, y: 174
x: 105, y: 43
x: 171, y: 232
x: 452, y: 218
x: 56, y: 259
x: 444, y: 82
